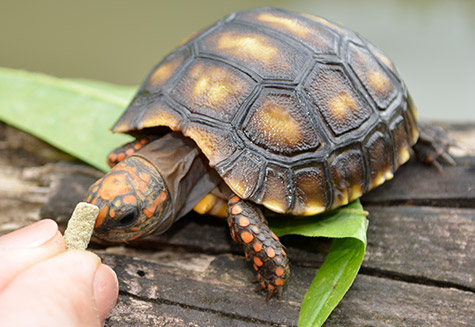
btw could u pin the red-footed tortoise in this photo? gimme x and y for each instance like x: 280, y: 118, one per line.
x: 265, y: 108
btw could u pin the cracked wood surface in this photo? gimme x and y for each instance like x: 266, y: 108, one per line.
x: 418, y: 270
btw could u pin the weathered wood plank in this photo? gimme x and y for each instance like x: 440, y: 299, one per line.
x: 131, y: 311
x: 418, y: 184
x: 423, y: 242
x: 220, y: 284
x: 418, y: 269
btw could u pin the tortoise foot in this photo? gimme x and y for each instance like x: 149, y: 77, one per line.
x: 432, y: 146
x: 261, y: 246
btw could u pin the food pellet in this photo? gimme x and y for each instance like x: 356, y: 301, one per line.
x: 79, y: 231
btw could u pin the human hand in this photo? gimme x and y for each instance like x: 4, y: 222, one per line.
x: 42, y: 284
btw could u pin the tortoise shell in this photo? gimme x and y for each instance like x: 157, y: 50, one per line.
x: 294, y: 112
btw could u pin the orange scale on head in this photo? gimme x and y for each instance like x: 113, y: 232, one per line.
x: 149, y: 211
x: 101, y: 216
x: 130, y: 199
x: 113, y: 186
x: 145, y: 177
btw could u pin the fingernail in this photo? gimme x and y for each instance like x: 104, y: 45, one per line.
x: 30, y: 236
x: 106, y: 290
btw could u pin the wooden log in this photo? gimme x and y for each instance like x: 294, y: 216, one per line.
x: 218, y: 286
x: 418, y: 269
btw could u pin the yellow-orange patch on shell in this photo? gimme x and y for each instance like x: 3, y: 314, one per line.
x: 378, y: 81
x: 160, y: 116
x: 291, y: 25
x: 341, y: 104
x: 277, y: 121
x: 163, y: 73
x: 247, y: 46
x: 215, y: 146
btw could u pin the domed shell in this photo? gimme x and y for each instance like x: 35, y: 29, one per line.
x: 294, y: 112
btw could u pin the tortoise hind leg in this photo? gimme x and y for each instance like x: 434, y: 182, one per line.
x: 128, y: 149
x: 249, y: 228
x: 432, y: 146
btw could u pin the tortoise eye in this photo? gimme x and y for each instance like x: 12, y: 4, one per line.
x: 128, y: 219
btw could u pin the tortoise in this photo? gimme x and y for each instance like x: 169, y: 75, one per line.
x: 266, y: 111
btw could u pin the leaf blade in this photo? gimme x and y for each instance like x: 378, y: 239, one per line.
x: 347, y: 226
x: 72, y: 116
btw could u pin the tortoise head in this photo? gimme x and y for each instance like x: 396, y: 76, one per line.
x: 133, y: 201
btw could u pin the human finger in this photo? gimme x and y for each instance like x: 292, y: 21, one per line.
x: 28, y: 246
x: 56, y: 292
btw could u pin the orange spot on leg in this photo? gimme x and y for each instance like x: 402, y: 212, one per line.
x: 244, y: 222
x: 246, y: 237
x: 258, y: 262
x: 236, y: 210
x: 279, y: 282
x: 234, y: 200
x: 257, y: 247
x: 279, y: 272
x: 270, y: 252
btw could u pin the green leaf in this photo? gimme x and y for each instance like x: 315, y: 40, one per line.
x: 347, y: 225
x: 74, y: 116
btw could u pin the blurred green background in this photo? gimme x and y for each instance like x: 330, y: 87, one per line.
x: 431, y: 41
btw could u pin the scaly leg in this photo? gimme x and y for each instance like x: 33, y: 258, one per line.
x: 128, y: 149
x: 249, y: 228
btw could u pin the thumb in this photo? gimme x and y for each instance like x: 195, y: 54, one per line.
x: 59, y: 292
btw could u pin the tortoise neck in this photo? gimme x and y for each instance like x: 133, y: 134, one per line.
x: 184, y: 169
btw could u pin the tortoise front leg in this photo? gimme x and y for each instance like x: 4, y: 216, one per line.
x: 249, y: 228
x: 128, y: 149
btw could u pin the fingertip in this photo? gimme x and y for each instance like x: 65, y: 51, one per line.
x: 106, y: 290
x: 31, y: 236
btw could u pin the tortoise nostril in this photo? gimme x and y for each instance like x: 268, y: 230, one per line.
x: 128, y: 219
